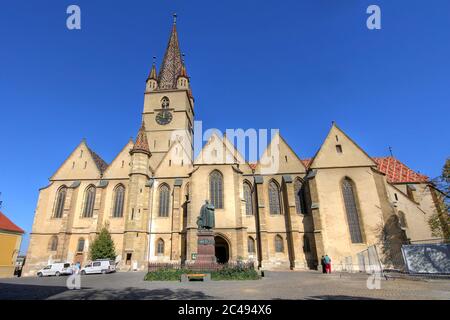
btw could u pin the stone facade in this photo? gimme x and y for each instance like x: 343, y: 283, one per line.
x: 282, y: 212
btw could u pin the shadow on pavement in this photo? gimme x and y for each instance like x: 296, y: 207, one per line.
x: 131, y: 294
x: 339, y: 297
x: 9, y: 291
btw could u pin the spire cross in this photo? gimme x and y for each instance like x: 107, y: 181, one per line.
x: 175, y: 18
x: 390, y: 151
x: 154, y: 60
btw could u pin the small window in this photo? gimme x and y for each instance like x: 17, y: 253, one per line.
x: 160, y: 247
x: 396, y: 197
x: 53, y: 243
x: 279, y: 247
x: 80, y: 246
x: 251, y: 245
x: 338, y: 148
x: 165, y: 103
x: 97, y: 264
x: 128, y: 260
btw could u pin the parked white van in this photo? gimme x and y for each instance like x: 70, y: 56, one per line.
x: 56, y: 269
x: 99, y: 266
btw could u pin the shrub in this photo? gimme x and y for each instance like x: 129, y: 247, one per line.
x: 223, y: 274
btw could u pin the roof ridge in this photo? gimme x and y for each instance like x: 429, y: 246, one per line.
x: 8, y: 225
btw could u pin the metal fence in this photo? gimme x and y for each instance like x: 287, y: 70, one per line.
x: 398, y: 257
x: 200, y: 266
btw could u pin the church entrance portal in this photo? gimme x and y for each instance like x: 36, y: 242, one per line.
x: 222, y: 249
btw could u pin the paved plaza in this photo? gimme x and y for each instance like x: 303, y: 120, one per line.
x: 275, y: 285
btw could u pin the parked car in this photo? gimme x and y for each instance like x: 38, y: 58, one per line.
x: 99, y: 266
x: 56, y: 269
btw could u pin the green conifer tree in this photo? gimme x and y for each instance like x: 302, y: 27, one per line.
x: 103, y: 246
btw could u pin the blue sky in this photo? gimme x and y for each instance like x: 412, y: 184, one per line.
x: 291, y: 64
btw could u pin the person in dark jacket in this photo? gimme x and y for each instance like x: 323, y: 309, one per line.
x: 324, y: 267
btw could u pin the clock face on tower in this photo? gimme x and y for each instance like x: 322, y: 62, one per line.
x: 164, y: 117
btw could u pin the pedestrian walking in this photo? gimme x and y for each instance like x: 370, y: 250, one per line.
x: 327, y: 264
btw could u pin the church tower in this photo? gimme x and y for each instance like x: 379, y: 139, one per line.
x: 168, y: 104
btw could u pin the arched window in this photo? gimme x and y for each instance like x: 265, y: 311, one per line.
x: 216, y: 189
x: 248, y: 199
x: 160, y: 247
x: 53, y: 243
x: 89, y: 200
x: 119, y: 196
x: 279, y: 246
x: 80, y: 246
x: 306, y: 244
x: 351, y: 209
x: 164, y: 197
x: 60, y: 200
x: 165, y: 103
x: 300, y: 196
x: 251, y: 245
x: 274, y: 198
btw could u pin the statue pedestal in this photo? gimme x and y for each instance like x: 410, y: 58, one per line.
x: 205, y: 248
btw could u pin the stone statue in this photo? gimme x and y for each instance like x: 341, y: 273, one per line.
x: 206, y: 220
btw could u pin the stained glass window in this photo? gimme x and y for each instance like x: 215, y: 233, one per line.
x: 119, y: 196
x: 164, y: 197
x: 248, y: 199
x: 216, y: 189
x: 351, y: 209
x: 60, y: 200
x: 89, y: 201
x: 274, y: 198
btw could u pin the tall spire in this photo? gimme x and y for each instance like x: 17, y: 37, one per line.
x: 172, y: 63
x: 141, y: 144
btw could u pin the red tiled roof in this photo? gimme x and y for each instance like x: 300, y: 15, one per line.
x: 8, y: 225
x: 141, y: 141
x: 397, y: 172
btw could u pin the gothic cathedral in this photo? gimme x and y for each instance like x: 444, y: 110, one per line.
x: 339, y: 202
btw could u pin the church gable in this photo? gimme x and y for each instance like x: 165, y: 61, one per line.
x: 120, y: 166
x: 175, y: 163
x: 216, y: 151
x: 339, y: 150
x: 279, y: 158
x: 83, y: 163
